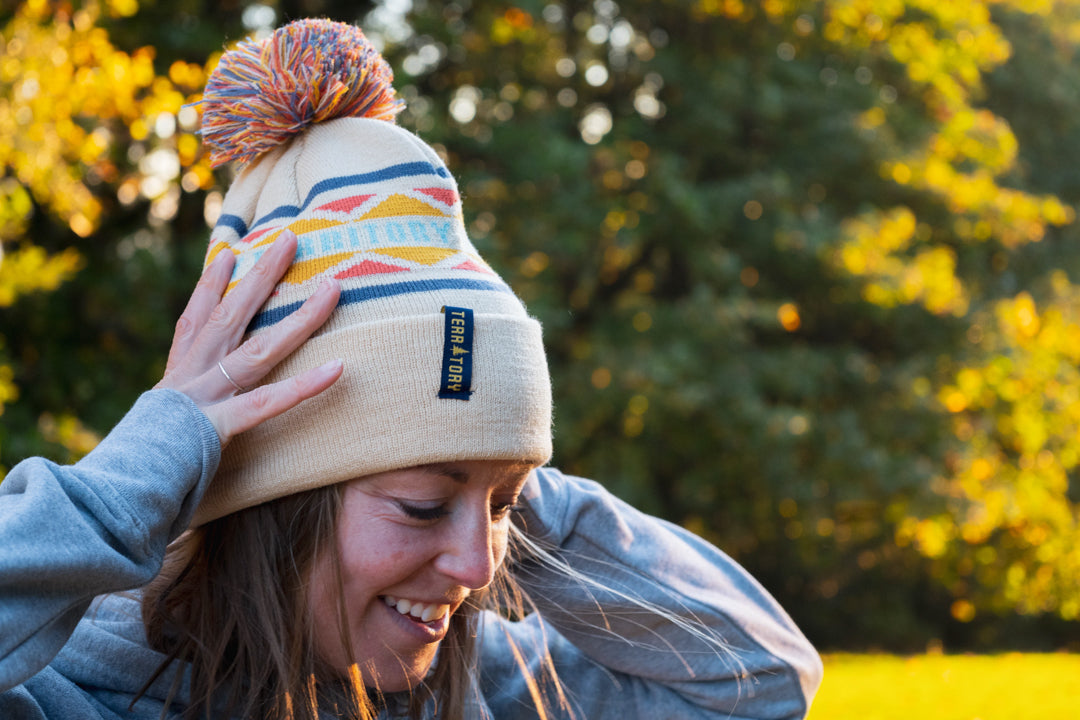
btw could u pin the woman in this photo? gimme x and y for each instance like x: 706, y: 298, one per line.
x: 346, y: 454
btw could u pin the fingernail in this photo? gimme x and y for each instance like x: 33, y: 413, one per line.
x: 223, y: 256
x: 326, y: 285
x: 332, y: 368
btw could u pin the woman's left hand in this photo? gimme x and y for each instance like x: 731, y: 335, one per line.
x: 208, y: 363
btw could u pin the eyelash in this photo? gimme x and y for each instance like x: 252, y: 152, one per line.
x: 498, y: 512
x: 504, y: 509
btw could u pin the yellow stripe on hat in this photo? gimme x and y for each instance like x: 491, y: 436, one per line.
x: 299, y: 227
x: 418, y: 254
x: 270, y: 238
x: 311, y: 225
x: 307, y: 269
x: 213, y: 252
x: 398, y: 205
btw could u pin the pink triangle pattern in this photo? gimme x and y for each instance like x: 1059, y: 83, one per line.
x: 470, y: 265
x: 346, y: 204
x: 368, y: 267
x: 443, y: 195
x: 253, y: 236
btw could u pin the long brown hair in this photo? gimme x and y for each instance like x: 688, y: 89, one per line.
x: 231, y: 603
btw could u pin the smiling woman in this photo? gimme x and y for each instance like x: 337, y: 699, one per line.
x: 413, y: 545
x: 335, y: 503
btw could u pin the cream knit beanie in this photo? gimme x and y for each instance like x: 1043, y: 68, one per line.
x: 442, y: 362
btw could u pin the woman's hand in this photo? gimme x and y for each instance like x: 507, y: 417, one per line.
x: 207, y: 362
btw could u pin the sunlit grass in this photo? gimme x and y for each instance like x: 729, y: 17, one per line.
x: 1011, y: 686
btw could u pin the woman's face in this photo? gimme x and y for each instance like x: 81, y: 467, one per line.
x: 413, y: 544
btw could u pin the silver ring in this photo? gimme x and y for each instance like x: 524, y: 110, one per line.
x: 229, y: 378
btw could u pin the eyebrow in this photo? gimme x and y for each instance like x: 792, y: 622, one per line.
x: 446, y: 470
x: 461, y: 476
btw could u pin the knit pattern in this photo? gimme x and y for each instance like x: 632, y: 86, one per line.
x: 369, y: 231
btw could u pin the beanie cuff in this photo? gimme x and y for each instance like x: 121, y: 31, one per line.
x: 387, y: 413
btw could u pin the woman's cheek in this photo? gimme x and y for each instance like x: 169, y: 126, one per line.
x: 499, y: 542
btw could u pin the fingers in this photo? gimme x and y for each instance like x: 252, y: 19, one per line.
x: 205, y: 363
x: 259, y: 355
x: 229, y: 318
x: 244, y: 412
x: 203, y: 300
x: 246, y: 299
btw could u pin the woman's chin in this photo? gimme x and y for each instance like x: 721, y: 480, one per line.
x: 396, y: 675
x: 403, y: 684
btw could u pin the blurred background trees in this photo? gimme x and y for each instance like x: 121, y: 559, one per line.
x: 805, y: 268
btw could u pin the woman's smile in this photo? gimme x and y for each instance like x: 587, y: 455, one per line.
x: 431, y: 630
x: 417, y: 610
x: 412, y: 545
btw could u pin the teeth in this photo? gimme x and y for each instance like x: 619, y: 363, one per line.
x: 420, y: 611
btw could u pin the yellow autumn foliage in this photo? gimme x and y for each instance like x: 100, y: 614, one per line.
x: 67, y: 431
x: 28, y: 268
x: 70, y: 104
x: 1016, y: 408
x: 946, y: 54
x: 1019, y: 414
x: 876, y: 245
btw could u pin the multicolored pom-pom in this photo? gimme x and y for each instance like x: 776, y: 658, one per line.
x: 309, y: 71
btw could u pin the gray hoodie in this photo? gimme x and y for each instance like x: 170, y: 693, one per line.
x: 69, y: 535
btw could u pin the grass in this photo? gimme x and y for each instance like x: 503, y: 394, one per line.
x: 1012, y: 686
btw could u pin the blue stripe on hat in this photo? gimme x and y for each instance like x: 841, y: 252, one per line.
x: 375, y: 292
x: 392, y: 172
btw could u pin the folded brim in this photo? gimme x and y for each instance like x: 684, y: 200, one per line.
x: 385, y: 413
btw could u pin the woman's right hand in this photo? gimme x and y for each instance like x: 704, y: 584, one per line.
x: 208, y: 363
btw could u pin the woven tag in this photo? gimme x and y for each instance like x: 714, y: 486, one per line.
x: 457, y: 354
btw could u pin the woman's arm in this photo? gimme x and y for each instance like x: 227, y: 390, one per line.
x: 663, y: 623
x: 70, y: 533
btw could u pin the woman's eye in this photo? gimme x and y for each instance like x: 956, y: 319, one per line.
x: 501, y: 510
x: 417, y: 512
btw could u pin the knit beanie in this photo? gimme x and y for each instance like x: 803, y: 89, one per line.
x: 442, y: 361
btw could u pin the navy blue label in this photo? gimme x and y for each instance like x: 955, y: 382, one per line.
x: 457, y: 354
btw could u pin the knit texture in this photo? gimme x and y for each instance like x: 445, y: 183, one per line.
x: 309, y: 71
x: 373, y: 206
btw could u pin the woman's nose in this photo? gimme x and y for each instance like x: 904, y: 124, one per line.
x: 469, y: 555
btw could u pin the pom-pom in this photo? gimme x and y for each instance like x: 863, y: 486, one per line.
x: 264, y: 92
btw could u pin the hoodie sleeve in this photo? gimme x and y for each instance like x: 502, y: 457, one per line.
x: 657, y: 623
x: 70, y: 533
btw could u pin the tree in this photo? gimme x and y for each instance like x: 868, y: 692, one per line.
x: 97, y: 152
